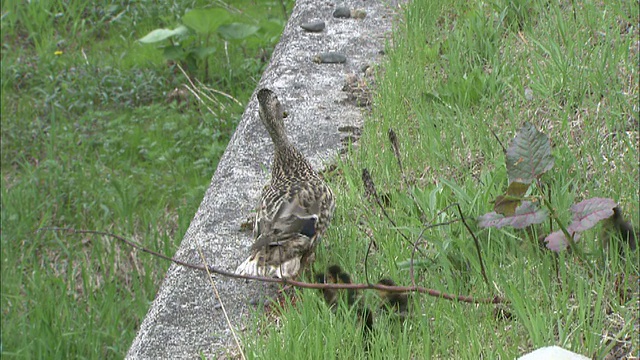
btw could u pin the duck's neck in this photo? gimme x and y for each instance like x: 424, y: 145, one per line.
x: 288, y: 162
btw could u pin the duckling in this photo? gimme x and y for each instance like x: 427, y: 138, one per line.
x: 335, y: 275
x: 353, y: 299
x: 394, y: 301
x: 330, y: 295
x: 617, y: 226
x: 295, y: 207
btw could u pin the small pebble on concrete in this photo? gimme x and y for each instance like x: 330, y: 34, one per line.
x: 313, y: 26
x: 342, y: 12
x: 330, y: 58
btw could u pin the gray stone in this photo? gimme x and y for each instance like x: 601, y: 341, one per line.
x: 186, y: 319
x: 330, y: 58
x: 342, y: 12
x: 314, y: 26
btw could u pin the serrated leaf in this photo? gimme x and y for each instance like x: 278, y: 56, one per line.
x: 526, y: 214
x: 206, y: 21
x: 587, y: 213
x: 557, y: 241
x: 162, y: 34
x: 507, y: 204
x: 529, y: 155
x: 237, y: 31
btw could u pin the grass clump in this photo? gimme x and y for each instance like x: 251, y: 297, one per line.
x: 92, y: 138
x: 458, y: 73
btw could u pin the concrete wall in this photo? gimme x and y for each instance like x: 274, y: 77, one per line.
x: 185, y: 320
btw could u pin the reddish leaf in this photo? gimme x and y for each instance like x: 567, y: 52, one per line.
x: 525, y: 215
x: 587, y: 213
x: 529, y: 155
x: 556, y: 241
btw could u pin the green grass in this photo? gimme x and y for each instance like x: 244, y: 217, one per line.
x: 90, y: 141
x: 456, y: 72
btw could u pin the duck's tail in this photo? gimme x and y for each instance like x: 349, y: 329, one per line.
x: 252, y: 266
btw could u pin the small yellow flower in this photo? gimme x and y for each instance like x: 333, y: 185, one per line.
x: 58, y: 53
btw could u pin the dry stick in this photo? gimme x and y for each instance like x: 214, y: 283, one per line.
x: 396, y: 151
x: 419, y: 289
x: 193, y: 88
x: 224, y: 311
x: 475, y: 240
x: 370, y: 191
x: 504, y: 149
x: 218, y: 92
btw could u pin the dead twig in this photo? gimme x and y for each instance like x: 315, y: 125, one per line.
x: 504, y: 149
x: 300, y: 284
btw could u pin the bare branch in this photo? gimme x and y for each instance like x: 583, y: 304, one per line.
x: 300, y: 284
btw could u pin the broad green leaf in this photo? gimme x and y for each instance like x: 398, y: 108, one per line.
x: 205, y: 21
x: 529, y: 155
x: 525, y: 215
x: 237, y: 31
x: 162, y: 34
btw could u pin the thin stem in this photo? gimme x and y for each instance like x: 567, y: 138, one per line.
x: 477, y: 243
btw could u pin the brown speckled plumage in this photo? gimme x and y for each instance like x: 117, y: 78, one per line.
x: 295, y: 208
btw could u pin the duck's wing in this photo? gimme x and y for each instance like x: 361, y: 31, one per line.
x: 286, y: 231
x: 290, y: 211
